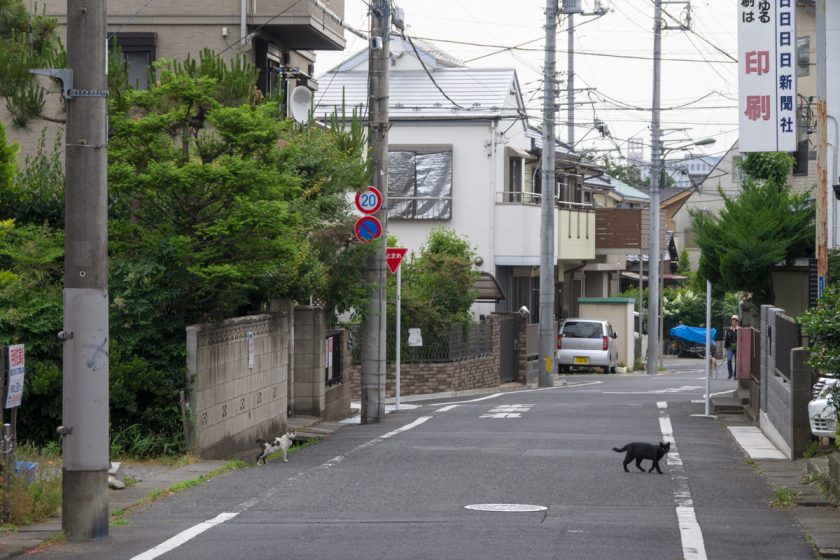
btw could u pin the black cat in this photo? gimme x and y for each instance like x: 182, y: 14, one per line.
x: 638, y: 451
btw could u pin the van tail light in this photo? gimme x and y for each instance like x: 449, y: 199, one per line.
x: 606, y: 340
x: 559, y: 341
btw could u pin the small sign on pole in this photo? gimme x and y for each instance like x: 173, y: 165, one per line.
x: 394, y: 256
x: 250, y: 349
x: 17, y: 363
x: 368, y: 228
x: 369, y: 201
x: 415, y: 338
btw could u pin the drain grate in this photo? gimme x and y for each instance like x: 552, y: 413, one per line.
x: 510, y: 508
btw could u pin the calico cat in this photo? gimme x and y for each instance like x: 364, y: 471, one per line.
x: 638, y: 451
x: 280, y: 443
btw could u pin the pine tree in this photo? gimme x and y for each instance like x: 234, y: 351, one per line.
x: 27, y: 42
x: 765, y: 224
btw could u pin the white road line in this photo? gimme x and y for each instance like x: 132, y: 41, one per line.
x: 184, y: 536
x: 493, y: 396
x: 682, y: 389
x: 407, y: 427
x: 196, y: 530
x: 447, y: 408
x: 690, y: 532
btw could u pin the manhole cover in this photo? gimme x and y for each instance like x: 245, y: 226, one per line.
x: 514, y: 508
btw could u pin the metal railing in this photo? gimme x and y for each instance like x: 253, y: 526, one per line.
x: 455, y: 343
x: 419, y: 208
x: 535, y: 199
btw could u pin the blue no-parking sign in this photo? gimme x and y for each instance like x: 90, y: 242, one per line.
x: 368, y: 228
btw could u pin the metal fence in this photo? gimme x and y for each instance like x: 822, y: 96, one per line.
x: 456, y: 343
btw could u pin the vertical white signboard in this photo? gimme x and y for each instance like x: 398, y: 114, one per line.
x: 767, y: 75
x: 17, y: 363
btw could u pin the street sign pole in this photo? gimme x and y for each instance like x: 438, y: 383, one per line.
x: 399, y: 312
x: 393, y: 258
x: 708, y: 342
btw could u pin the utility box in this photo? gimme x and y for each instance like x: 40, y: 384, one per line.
x: 619, y: 312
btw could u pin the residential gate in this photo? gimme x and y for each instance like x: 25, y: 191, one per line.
x: 507, y: 349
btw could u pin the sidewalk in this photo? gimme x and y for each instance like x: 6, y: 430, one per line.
x: 818, y: 518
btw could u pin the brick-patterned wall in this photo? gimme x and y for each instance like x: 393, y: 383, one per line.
x: 233, y: 402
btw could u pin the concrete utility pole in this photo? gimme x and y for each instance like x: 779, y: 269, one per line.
x: 570, y: 76
x: 85, y: 335
x: 655, y: 186
x: 374, y: 333
x: 570, y: 8
x: 547, y: 237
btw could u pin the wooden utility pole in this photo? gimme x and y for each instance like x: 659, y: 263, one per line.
x: 85, y: 335
x: 822, y: 151
x: 374, y: 333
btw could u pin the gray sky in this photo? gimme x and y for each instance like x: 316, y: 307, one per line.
x: 613, y: 57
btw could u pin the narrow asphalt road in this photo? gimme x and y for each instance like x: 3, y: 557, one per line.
x: 417, y: 485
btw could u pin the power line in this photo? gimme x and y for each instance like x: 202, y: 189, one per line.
x: 259, y: 27
x: 429, y: 74
x: 129, y: 20
x: 690, y: 30
x: 504, y: 48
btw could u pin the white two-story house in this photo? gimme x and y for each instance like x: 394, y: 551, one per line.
x: 461, y: 155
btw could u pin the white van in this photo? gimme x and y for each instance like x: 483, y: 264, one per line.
x: 821, y: 413
x: 586, y: 343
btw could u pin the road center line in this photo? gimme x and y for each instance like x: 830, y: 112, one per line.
x: 196, y: 530
x: 184, y: 536
x: 690, y: 532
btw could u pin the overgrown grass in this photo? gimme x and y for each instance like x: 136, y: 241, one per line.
x: 812, y: 450
x: 782, y: 497
x: 40, y: 497
x: 135, y: 442
x: 821, y: 481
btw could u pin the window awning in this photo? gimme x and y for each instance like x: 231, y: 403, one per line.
x: 488, y: 289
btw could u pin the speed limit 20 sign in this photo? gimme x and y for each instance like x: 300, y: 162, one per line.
x: 369, y: 201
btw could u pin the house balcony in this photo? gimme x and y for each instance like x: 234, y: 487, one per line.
x: 309, y: 25
x: 305, y: 25
x: 625, y: 230
x: 518, y: 221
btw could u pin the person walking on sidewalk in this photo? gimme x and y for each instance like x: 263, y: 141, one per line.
x: 730, y: 342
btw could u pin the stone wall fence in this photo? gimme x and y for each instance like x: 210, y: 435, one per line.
x: 238, y: 371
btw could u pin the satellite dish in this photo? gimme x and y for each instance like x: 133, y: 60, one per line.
x: 299, y: 103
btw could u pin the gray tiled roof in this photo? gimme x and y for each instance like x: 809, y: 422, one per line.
x: 480, y: 92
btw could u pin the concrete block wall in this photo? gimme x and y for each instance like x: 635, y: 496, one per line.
x: 238, y: 373
x: 309, y: 361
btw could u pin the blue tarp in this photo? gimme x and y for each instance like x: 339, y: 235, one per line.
x: 692, y: 334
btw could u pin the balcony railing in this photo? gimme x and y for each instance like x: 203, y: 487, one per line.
x: 574, y: 226
x: 535, y: 199
x: 419, y: 208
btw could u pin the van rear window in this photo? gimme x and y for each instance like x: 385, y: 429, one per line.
x: 581, y: 329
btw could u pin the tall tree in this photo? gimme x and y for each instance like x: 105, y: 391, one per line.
x: 763, y: 225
